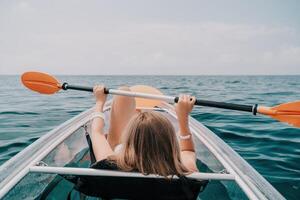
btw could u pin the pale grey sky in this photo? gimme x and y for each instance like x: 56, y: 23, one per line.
x: 150, y: 37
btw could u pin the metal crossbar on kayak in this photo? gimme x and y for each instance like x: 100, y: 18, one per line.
x: 100, y: 172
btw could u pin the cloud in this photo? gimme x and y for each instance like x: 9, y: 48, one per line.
x: 108, y: 44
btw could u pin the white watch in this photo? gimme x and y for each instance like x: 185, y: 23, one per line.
x: 185, y: 137
x: 98, y: 115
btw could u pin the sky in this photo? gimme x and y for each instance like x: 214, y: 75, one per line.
x: 163, y: 37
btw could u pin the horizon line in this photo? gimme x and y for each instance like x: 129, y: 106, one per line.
x: 161, y: 74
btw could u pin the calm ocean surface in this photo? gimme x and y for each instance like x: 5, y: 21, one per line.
x: 272, y: 148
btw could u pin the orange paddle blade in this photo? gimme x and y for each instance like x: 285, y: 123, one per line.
x: 287, y: 112
x: 40, y: 82
x: 288, y: 107
x: 141, y: 102
x: 293, y: 120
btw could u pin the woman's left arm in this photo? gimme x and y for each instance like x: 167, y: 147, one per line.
x: 101, y: 146
x: 183, y: 108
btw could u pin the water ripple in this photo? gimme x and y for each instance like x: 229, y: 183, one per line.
x: 18, y: 113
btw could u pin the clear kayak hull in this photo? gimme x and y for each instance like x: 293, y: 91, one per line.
x: 66, y: 146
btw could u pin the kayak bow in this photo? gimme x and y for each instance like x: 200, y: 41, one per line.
x: 37, y: 167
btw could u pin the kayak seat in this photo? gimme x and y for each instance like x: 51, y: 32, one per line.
x: 139, y: 188
x: 134, y: 188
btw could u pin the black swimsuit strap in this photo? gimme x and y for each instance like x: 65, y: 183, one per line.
x: 92, y: 155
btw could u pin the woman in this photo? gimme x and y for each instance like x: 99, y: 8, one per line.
x: 142, y: 141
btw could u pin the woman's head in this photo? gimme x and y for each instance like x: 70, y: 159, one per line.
x: 150, y: 146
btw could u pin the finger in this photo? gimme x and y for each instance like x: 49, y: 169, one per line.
x: 97, y: 88
x: 181, y: 98
x: 103, y: 89
x: 193, y: 100
x: 94, y: 88
x: 186, y: 98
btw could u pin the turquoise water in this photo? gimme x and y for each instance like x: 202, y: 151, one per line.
x: 272, y: 148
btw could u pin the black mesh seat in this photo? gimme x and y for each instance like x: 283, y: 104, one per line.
x: 135, y: 188
x: 139, y: 188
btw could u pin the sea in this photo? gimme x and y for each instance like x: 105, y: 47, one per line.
x: 271, y: 147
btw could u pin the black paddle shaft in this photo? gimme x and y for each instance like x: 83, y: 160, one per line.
x: 215, y: 104
x: 66, y: 86
x: 230, y: 106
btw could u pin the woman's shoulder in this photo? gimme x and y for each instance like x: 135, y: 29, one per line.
x: 105, y: 164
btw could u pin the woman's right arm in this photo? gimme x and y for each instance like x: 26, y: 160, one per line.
x: 100, y: 145
x: 183, y: 108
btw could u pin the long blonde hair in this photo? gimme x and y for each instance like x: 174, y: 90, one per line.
x: 150, y: 146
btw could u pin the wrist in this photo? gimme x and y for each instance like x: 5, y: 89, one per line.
x: 99, y: 106
x: 184, y: 130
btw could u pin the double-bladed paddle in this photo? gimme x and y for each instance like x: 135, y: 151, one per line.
x: 47, y: 84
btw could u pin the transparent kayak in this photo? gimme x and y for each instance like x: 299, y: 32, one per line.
x: 33, y: 173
